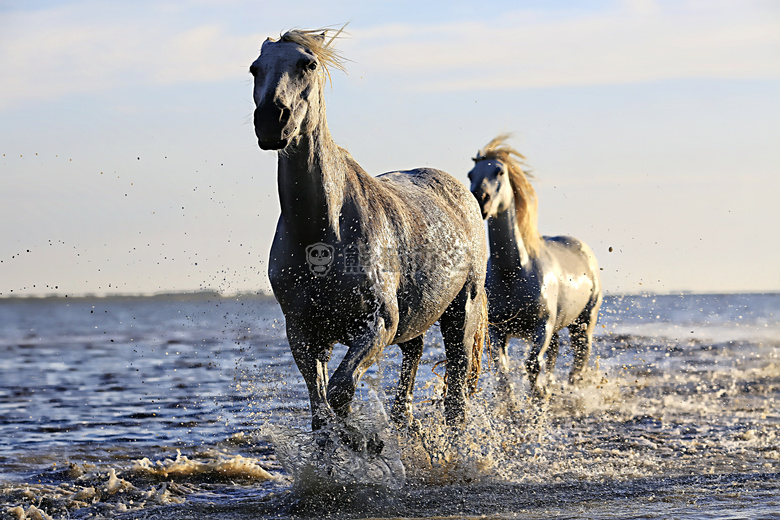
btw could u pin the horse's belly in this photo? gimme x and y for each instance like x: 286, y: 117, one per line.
x: 426, y: 294
x: 414, y: 322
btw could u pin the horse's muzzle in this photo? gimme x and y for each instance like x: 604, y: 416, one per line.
x: 483, y: 199
x: 271, y: 126
x: 272, y: 145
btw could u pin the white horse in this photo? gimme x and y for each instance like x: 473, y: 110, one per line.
x: 362, y: 261
x: 536, y: 285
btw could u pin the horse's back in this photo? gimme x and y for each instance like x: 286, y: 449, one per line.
x: 438, y: 231
x: 437, y: 197
x: 572, y: 251
x: 422, y: 184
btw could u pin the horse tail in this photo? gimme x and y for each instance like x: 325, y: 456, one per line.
x: 480, y: 338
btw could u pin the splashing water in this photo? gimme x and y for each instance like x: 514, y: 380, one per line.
x: 321, y: 461
x: 186, y: 409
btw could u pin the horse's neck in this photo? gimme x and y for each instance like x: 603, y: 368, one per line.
x: 311, y: 182
x: 507, y: 249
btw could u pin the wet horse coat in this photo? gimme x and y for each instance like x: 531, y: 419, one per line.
x: 362, y: 261
x: 536, y: 285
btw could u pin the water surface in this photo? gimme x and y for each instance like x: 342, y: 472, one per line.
x: 174, y: 407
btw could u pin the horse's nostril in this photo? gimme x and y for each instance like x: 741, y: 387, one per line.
x: 486, y: 197
x: 285, y: 116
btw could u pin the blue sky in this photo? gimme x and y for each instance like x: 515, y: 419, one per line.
x: 129, y: 162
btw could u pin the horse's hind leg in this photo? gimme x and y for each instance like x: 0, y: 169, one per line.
x: 552, y: 354
x: 412, y: 351
x: 459, y: 325
x: 581, y: 332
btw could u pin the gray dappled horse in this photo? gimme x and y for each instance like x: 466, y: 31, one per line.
x: 536, y: 285
x: 362, y: 261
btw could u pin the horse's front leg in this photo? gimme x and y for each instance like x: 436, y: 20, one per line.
x: 540, y: 341
x: 498, y: 352
x: 552, y: 353
x: 498, y: 349
x: 362, y: 353
x: 312, y: 363
x: 581, y: 333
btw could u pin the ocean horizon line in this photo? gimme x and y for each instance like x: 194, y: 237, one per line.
x: 262, y: 295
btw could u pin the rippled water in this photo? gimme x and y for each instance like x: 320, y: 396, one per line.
x: 176, y: 407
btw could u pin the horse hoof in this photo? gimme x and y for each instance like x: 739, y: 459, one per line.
x: 374, y: 445
x: 359, y: 442
x: 323, y: 439
x: 406, y: 423
x: 540, y: 394
x: 415, y: 427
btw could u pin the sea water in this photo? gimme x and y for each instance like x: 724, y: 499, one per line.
x: 191, y: 407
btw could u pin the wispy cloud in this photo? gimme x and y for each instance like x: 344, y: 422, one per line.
x: 638, y: 43
x: 66, y: 50
x: 81, y: 48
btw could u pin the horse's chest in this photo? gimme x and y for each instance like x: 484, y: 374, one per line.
x: 331, y: 303
x: 301, y: 289
x: 516, y: 299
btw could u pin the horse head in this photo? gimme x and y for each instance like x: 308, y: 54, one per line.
x: 288, y: 78
x: 491, y: 186
x: 286, y: 88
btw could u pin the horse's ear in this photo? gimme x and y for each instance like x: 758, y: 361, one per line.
x: 320, y: 37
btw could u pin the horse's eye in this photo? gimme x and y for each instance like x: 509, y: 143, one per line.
x: 499, y: 170
x: 309, y: 64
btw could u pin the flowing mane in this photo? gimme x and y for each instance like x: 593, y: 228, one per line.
x: 526, y: 202
x: 314, y: 40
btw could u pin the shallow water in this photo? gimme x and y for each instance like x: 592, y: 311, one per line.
x: 192, y: 407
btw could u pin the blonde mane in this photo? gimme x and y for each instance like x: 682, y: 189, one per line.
x: 526, y: 202
x: 315, y: 41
